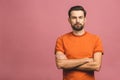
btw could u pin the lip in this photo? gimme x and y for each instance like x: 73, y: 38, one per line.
x: 77, y: 24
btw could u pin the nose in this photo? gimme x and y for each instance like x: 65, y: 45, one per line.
x: 77, y: 20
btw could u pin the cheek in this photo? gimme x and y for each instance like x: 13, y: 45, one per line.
x: 83, y: 21
x: 73, y: 21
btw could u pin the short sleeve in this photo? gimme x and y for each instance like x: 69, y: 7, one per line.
x: 98, y: 46
x: 59, y: 45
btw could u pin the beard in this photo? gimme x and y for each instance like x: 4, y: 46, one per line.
x: 77, y: 27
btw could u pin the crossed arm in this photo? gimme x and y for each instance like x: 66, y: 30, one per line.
x: 85, y: 64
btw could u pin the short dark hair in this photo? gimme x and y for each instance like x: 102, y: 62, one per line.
x: 76, y: 8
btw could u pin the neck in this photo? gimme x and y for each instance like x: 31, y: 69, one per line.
x: 79, y: 33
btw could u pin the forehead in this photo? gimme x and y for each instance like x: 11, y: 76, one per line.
x: 77, y: 13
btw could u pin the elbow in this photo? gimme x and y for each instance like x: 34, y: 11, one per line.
x: 97, y: 68
x: 60, y: 64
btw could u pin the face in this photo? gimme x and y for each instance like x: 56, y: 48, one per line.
x: 77, y: 20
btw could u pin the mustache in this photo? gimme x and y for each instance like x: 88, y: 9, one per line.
x: 78, y: 23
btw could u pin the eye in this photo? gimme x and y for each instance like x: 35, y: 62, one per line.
x: 73, y: 17
x: 81, y: 17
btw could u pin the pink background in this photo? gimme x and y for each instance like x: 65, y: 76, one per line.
x: 29, y: 28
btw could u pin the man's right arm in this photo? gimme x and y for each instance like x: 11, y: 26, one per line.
x: 63, y: 62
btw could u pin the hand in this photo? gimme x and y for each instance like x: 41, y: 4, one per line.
x: 89, y: 59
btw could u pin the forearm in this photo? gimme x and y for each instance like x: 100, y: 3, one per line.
x: 92, y: 66
x: 71, y: 63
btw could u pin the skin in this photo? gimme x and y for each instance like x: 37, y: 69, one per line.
x: 77, y: 17
x: 77, y: 20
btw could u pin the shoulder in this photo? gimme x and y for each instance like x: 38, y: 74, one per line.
x: 65, y: 35
x: 93, y: 36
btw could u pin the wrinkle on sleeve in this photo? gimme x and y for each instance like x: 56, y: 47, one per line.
x: 98, y: 46
x: 59, y: 45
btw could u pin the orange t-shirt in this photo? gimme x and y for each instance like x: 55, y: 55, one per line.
x: 75, y: 47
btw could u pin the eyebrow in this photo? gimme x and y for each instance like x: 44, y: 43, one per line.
x: 78, y: 16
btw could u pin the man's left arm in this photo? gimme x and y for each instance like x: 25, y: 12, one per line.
x: 94, y: 65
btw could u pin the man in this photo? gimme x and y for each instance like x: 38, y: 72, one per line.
x: 78, y: 53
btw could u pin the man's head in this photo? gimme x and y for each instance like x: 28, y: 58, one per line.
x: 77, y: 16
